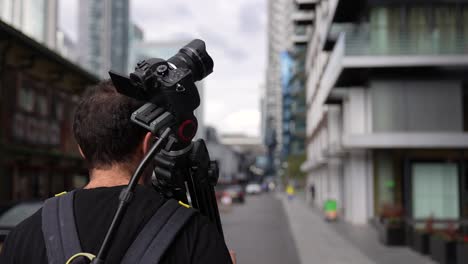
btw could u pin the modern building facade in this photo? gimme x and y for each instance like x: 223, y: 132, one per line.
x: 36, y: 18
x: 284, y: 100
x: 104, y: 35
x: 279, y: 34
x: 387, y: 107
x: 287, y: 64
x: 165, y: 50
x: 40, y: 90
x: 293, y: 79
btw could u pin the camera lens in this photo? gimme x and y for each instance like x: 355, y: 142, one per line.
x: 194, y: 57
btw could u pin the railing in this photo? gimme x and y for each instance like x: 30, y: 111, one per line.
x: 366, y: 40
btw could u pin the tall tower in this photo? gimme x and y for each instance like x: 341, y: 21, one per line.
x: 279, y: 33
x: 103, y: 35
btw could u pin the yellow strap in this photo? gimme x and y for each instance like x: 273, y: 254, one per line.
x: 81, y: 254
x: 62, y: 193
x: 184, y: 204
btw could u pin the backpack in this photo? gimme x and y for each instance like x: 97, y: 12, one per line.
x: 63, y: 245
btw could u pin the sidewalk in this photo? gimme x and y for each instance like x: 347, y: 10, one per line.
x: 365, y: 239
x: 316, y: 242
x: 339, y: 243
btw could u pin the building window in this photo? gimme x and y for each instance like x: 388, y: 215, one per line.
x: 417, y: 106
x: 42, y: 105
x: 59, y: 109
x: 435, y: 190
x: 26, y: 99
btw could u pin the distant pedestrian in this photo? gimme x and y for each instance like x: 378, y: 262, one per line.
x: 312, y: 192
x: 290, y: 192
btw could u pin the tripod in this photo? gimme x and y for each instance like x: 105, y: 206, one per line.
x: 189, y: 176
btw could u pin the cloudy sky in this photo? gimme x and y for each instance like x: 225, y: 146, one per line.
x: 235, y: 34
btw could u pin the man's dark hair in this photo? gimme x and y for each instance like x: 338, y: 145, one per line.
x: 102, y: 126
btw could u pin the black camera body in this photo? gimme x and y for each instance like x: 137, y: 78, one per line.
x: 167, y: 85
x: 169, y: 88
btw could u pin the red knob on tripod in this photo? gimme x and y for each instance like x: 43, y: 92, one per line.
x: 187, y: 130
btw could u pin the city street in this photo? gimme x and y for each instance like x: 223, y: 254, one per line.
x: 259, y: 231
x: 269, y: 229
x: 352, y: 115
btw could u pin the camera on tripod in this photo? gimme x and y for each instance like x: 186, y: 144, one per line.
x: 168, y: 86
x: 182, y: 169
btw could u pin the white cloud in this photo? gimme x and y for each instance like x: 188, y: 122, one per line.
x: 244, y: 121
x: 235, y: 34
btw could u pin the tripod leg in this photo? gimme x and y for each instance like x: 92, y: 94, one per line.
x: 205, y: 197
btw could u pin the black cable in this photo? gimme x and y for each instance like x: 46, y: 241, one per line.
x: 125, y: 198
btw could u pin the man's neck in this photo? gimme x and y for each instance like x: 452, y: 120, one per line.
x: 109, y: 177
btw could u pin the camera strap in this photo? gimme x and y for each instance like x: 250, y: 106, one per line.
x: 63, y: 244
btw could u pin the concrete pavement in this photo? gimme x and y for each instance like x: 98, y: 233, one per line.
x: 315, y: 240
x: 340, y: 243
x: 259, y: 231
x: 365, y: 239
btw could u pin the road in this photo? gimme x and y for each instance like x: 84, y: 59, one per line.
x: 259, y: 231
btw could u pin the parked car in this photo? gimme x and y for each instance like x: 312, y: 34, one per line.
x: 15, y: 215
x: 236, y: 192
x: 253, y: 188
x: 219, y: 191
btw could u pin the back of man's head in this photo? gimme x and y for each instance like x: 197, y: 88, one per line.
x: 103, y: 129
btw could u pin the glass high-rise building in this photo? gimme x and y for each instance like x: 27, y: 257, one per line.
x: 103, y: 35
x: 36, y: 18
x: 279, y: 34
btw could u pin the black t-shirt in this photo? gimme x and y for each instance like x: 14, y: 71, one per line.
x: 198, y: 241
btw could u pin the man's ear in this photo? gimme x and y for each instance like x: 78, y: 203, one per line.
x: 81, y: 152
x: 147, y: 142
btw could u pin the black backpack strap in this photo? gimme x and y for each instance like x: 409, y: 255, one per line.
x: 158, y: 233
x: 59, y: 229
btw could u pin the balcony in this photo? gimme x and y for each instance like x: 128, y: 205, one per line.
x: 364, y: 40
x: 301, y: 34
x: 303, y: 17
x: 361, y: 52
x: 300, y: 39
x: 358, y: 49
x: 306, y: 4
x: 407, y: 140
